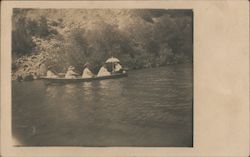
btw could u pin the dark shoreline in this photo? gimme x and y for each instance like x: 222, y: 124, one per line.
x: 133, y: 69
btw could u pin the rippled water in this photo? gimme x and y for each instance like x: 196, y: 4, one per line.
x: 151, y: 107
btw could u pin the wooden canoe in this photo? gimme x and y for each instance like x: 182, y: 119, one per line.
x: 79, y: 79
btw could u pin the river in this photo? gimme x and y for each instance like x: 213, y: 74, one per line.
x: 149, y: 108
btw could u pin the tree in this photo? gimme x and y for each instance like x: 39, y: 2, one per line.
x: 22, y: 43
x: 43, y: 29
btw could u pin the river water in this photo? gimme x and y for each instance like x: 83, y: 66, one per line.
x: 149, y: 108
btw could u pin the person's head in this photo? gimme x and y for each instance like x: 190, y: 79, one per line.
x: 104, y: 65
x: 71, y: 68
x: 86, y: 65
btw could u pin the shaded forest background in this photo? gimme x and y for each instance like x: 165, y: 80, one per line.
x: 140, y: 38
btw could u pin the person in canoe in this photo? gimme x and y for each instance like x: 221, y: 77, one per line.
x: 87, y: 72
x: 118, y: 68
x: 50, y: 73
x: 103, y: 71
x: 70, y: 74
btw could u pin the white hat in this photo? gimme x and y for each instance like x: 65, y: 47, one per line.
x: 71, y: 68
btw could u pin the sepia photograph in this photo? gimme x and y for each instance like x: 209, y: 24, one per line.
x: 102, y: 77
x: 124, y: 78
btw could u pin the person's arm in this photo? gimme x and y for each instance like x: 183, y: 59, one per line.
x: 120, y: 67
x: 54, y: 73
x: 76, y: 73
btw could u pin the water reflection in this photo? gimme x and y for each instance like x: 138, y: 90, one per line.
x: 52, y: 91
x: 71, y: 89
x: 105, y: 84
x: 110, y: 88
x: 88, y: 88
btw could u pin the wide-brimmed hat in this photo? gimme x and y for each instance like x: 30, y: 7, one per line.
x: 71, y: 68
x: 49, y: 67
x: 86, y: 64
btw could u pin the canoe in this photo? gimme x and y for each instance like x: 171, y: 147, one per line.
x: 79, y: 79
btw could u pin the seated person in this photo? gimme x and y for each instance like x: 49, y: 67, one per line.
x: 70, y: 74
x: 118, y: 68
x: 103, y: 71
x: 86, y: 72
x: 51, y: 74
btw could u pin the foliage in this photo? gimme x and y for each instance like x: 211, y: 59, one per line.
x: 140, y: 38
x: 25, y: 29
x: 21, y: 39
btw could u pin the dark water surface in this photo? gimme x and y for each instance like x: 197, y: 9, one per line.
x: 151, y: 107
